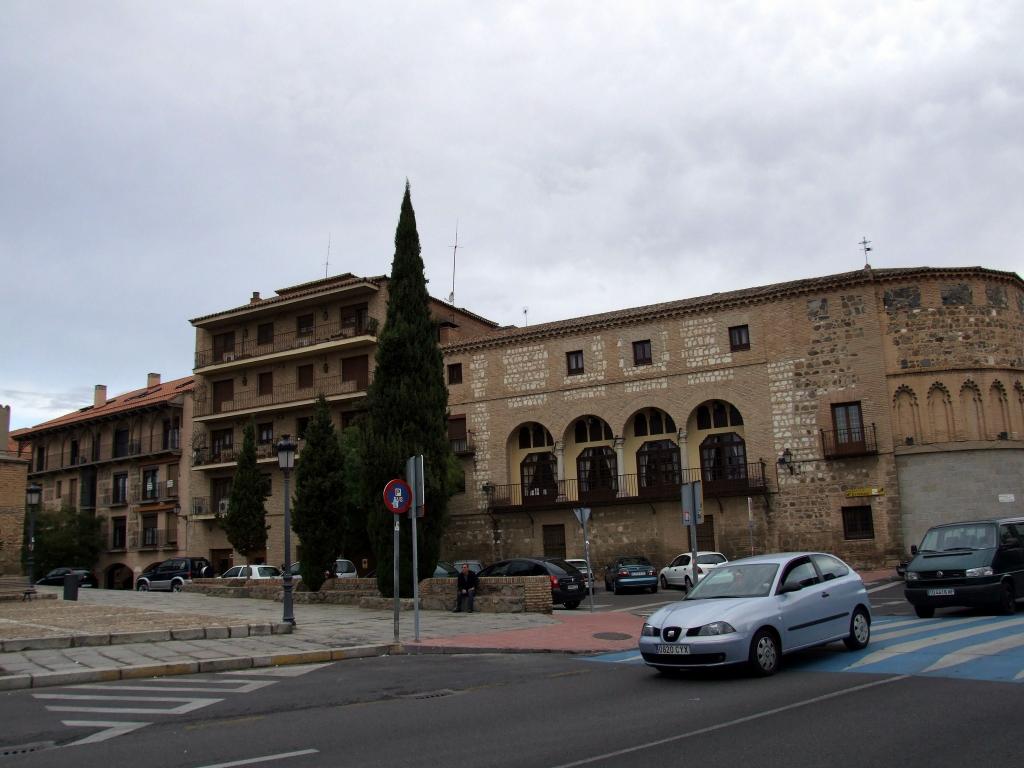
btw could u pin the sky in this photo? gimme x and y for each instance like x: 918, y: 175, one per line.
x: 162, y: 160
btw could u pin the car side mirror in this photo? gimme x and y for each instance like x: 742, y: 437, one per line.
x: 913, y: 550
x: 787, y: 588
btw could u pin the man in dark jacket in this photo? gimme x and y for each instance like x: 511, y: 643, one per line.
x: 466, y: 589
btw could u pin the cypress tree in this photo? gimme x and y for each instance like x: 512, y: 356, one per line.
x: 246, y: 520
x: 320, y: 510
x: 407, y: 414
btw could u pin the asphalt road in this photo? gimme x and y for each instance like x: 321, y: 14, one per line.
x: 548, y: 711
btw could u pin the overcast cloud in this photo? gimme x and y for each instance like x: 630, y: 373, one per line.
x: 162, y: 160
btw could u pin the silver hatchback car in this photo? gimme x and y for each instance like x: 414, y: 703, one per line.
x: 757, y: 609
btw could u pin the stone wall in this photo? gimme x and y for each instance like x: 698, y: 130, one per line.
x: 13, y: 481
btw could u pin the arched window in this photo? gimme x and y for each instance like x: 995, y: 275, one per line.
x: 703, y: 417
x: 534, y: 435
x: 657, y: 424
x: 590, y: 429
x: 723, y: 461
x: 735, y: 420
x: 597, y: 473
x: 640, y: 425
x: 524, y: 437
x: 657, y: 465
x: 538, y: 472
x: 718, y: 414
x: 670, y: 425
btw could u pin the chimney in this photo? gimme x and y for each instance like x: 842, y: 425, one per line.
x: 5, y: 427
x: 255, y: 298
x: 99, y: 396
x: 152, y: 380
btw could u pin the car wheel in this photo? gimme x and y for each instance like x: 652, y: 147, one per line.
x: 860, y: 630
x: 142, y: 586
x: 1007, y: 600
x: 664, y: 582
x: 572, y: 605
x: 764, y: 653
x: 924, y: 611
x: 176, y: 586
x: 687, y: 584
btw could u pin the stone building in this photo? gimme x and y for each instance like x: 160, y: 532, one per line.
x: 844, y: 413
x: 13, y: 481
x: 266, y: 362
x: 120, y: 459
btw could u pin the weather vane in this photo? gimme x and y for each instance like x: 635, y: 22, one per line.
x: 455, y: 249
x: 866, y: 245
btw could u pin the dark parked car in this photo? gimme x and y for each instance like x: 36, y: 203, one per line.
x: 56, y: 577
x: 474, y: 565
x: 976, y: 563
x: 568, y: 586
x: 171, y: 575
x: 630, y: 572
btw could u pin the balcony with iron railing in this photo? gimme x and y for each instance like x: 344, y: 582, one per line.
x: 319, y: 333
x: 849, y: 443
x: 154, y: 445
x: 153, y: 538
x: 251, y: 400
x: 201, y: 509
x: 462, y: 446
x: 737, y: 480
x: 229, y: 454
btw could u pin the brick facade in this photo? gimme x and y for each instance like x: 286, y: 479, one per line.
x: 834, y: 374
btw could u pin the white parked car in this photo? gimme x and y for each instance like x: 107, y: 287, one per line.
x: 581, y: 565
x: 252, y: 572
x: 679, y: 573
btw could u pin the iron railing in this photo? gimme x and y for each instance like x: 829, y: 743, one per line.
x: 282, y: 342
x: 735, y: 480
x: 153, y: 538
x: 240, y: 401
x: 847, y: 443
x: 462, y: 446
x: 229, y: 454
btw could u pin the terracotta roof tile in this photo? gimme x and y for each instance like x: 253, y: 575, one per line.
x: 123, y: 403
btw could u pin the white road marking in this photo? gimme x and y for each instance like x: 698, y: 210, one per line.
x: 972, y: 652
x: 188, y: 705
x: 645, y: 605
x: 721, y: 726
x: 629, y: 658
x: 290, y: 671
x: 264, y: 759
x: 243, y: 686
x: 926, y: 642
x: 111, y: 729
x: 881, y: 587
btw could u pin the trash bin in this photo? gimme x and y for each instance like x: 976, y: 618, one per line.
x: 71, y: 581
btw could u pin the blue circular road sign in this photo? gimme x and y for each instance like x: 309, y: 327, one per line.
x: 397, y: 496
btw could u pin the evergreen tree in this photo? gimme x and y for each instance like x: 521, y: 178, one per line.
x: 246, y: 520
x: 66, y: 538
x: 321, y: 509
x: 407, y: 414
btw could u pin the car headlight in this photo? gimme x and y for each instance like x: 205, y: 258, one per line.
x: 650, y: 631
x: 716, y: 628
x: 912, y: 576
x: 975, y: 572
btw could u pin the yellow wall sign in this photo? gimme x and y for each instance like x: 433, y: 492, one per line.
x: 853, y: 493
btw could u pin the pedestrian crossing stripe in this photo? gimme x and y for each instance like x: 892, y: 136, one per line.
x: 976, y: 648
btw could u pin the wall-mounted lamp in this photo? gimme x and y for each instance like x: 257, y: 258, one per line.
x: 786, y: 460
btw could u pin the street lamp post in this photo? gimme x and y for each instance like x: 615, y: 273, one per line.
x: 33, y: 495
x: 286, y: 460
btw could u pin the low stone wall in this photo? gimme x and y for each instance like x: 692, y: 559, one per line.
x: 519, y: 594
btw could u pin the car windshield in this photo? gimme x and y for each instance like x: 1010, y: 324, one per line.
x: 950, y: 538
x: 634, y: 561
x: 558, y: 567
x: 736, y: 581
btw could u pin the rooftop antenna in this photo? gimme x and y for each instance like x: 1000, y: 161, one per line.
x: 866, y: 245
x: 455, y: 249
x: 526, y: 316
x: 327, y: 263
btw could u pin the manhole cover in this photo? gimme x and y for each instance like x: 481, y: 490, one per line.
x: 24, y: 749
x: 430, y: 694
x: 612, y: 636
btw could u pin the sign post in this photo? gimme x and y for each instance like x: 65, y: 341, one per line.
x: 693, y: 514
x: 750, y: 523
x: 397, y: 499
x: 414, y: 475
x: 583, y: 515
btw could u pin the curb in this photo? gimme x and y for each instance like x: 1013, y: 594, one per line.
x: 424, y: 650
x: 229, y: 664
x: 150, y: 636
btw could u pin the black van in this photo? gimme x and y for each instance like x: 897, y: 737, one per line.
x: 973, y: 563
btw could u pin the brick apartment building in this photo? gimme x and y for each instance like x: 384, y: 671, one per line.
x: 844, y: 413
x: 267, y: 361
x: 13, y: 482
x: 121, y: 460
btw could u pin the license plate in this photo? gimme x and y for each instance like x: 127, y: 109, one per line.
x: 674, y: 650
x: 941, y: 593
x: 572, y: 586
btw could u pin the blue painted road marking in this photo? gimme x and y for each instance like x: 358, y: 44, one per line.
x: 975, y: 648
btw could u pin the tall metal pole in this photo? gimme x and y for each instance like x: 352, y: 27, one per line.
x: 30, y: 560
x: 289, y: 614
x: 590, y: 570
x: 394, y: 580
